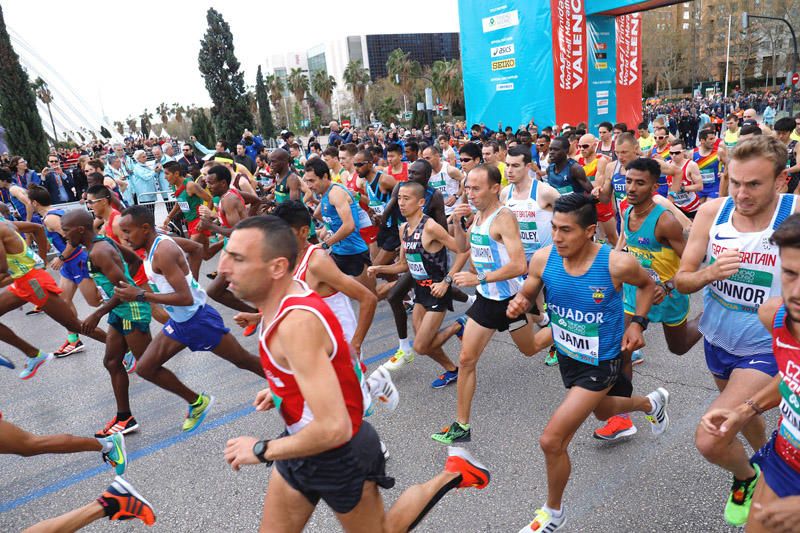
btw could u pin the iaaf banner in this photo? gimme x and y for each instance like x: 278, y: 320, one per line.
x: 569, y: 61
x: 629, y: 69
x: 602, y: 68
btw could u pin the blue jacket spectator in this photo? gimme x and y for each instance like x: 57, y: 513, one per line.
x: 345, y: 136
x: 252, y: 145
x: 143, y: 180
x: 23, y: 176
x: 58, y: 183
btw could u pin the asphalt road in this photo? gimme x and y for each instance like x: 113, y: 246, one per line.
x: 642, y: 484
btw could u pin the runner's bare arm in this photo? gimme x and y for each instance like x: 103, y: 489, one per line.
x: 521, y: 303
x: 102, y: 257
x: 386, y: 183
x: 462, y: 211
x: 20, y: 194
x: 683, y: 220
x: 195, y: 190
x: 547, y: 195
x: 505, y: 229
x: 579, y: 177
x: 723, y: 421
x: 341, y: 201
x: 37, y: 230
x: 767, y: 310
x: 604, y: 187
x: 436, y: 209
x: 625, y: 268
x: 441, y: 235
x: 669, y: 231
x: 693, y: 171
x: 295, y: 188
x: 399, y: 266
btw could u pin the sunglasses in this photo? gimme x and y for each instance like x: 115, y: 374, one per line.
x: 676, y: 153
x: 359, y: 165
x: 540, y: 144
x: 584, y: 146
x: 466, y: 159
x: 661, y: 137
x: 92, y: 202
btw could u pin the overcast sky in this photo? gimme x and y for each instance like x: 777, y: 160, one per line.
x: 127, y: 56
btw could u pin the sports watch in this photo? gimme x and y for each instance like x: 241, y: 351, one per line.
x: 140, y: 296
x: 259, y: 449
x: 642, y: 321
x: 481, y: 277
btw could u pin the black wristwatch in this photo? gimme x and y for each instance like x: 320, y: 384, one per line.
x: 140, y: 297
x: 259, y: 449
x: 448, y: 279
x: 642, y: 321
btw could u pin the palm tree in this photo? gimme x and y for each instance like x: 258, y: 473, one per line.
x: 132, y: 124
x: 323, y: 85
x: 402, y: 70
x: 178, y: 110
x: 44, y: 94
x: 297, y: 81
x: 120, y: 127
x: 275, y: 87
x: 447, y: 81
x: 163, y: 110
x: 145, y: 122
x: 356, y: 78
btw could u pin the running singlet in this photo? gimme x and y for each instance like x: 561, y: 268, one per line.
x: 610, y: 153
x: 23, y: 262
x: 423, y: 265
x: 57, y: 240
x: 282, y: 190
x: 489, y: 255
x: 663, y: 188
x: 439, y: 181
x: 688, y: 202
x: 709, y: 167
x: 561, y: 181
x: 400, y: 176
x: 645, y: 145
x: 620, y: 191
x: 222, y: 218
x: 363, y: 215
x: 377, y: 198
x: 160, y: 285
x: 188, y: 204
x: 16, y: 207
x: 659, y: 260
x: 758, y: 279
x: 586, y: 311
x: 730, y: 139
x: 534, y: 222
x: 131, y: 311
x: 787, y: 356
x: 338, y: 302
x: 282, y: 384
x: 109, y: 226
x: 352, y: 244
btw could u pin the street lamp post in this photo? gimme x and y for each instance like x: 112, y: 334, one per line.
x: 745, y: 24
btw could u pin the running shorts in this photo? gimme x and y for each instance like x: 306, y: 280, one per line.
x: 710, y: 190
x: 672, y: 311
x: 606, y: 374
x: 140, y: 277
x: 663, y: 190
x: 491, y: 314
x: 369, y: 234
x: 721, y: 363
x: 201, y: 333
x: 76, y: 269
x: 337, y: 476
x: 35, y: 287
x: 352, y: 265
x: 423, y: 297
x: 125, y: 326
x: 389, y: 238
x: 192, y: 228
x: 778, y: 475
x: 605, y: 212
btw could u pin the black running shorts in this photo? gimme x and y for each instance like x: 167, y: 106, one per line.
x: 491, y: 314
x: 595, y: 378
x: 389, y: 238
x: 337, y: 476
x: 352, y: 265
x: 423, y: 297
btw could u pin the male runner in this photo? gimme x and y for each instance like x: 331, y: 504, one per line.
x: 731, y: 135
x: 423, y: 254
x: 379, y: 186
x: 287, y: 183
x: 710, y: 155
x: 129, y: 321
x: 779, y: 459
x: 583, y: 282
x: 645, y: 140
x: 491, y: 155
x: 594, y: 166
x: 655, y: 238
x: 231, y: 209
x: 193, y: 324
x: 605, y: 146
x: 444, y: 178
x: 783, y: 131
x: 498, y: 256
x: 564, y: 174
x: 70, y: 262
x: 685, y: 181
x: 661, y: 150
x: 314, y: 382
x: 338, y: 172
x: 730, y: 255
x: 15, y: 197
x: 396, y: 167
x: 190, y: 196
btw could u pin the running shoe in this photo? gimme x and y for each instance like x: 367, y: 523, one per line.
x: 658, y: 417
x: 33, y: 364
x: 615, y: 428
x: 69, y: 348
x: 637, y: 357
x: 212, y: 275
x: 115, y: 425
x: 384, y: 451
x: 116, y: 456
x: 545, y: 522
x: 552, y: 356
x: 35, y: 311
x: 129, y: 363
x: 197, y: 413
x: 462, y: 322
x: 249, y: 330
x: 445, y: 379
x: 455, y: 432
x: 408, y: 305
x: 131, y: 504
x: 473, y: 473
x: 8, y: 363
x: 737, y: 507
x: 399, y: 360
x: 382, y: 389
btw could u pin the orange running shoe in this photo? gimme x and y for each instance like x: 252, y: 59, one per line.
x: 249, y: 330
x: 131, y: 504
x: 473, y: 473
x: 616, y: 427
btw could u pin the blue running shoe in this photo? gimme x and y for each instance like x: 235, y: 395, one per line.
x: 637, y: 357
x: 129, y: 363
x: 117, y: 456
x: 445, y: 379
x: 197, y: 413
x: 462, y: 321
x: 7, y: 362
x: 33, y: 364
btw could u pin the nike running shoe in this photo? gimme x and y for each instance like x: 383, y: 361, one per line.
x: 33, y: 364
x: 462, y: 322
x: 129, y: 363
x: 116, y: 456
x: 249, y: 330
x: 737, y: 507
x: 197, y: 413
x: 69, y: 348
x: 445, y: 379
x: 115, y: 425
x: 552, y: 357
x: 399, y: 360
x: 455, y: 432
x: 637, y: 357
x: 658, y: 417
x: 382, y: 389
x: 615, y: 428
x: 131, y: 504
x: 545, y: 522
x: 473, y: 473
x: 8, y: 363
x: 35, y: 311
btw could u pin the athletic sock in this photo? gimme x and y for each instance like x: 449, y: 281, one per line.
x: 553, y: 512
x: 123, y: 415
x: 110, y: 505
x: 72, y: 337
x: 107, y: 445
x: 405, y: 345
x: 654, y: 406
x: 463, y: 426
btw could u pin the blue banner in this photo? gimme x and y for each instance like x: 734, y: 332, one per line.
x: 507, y: 63
x: 601, y: 36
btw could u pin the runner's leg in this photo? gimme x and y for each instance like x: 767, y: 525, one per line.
x: 116, y: 348
x: 70, y: 521
x: 286, y: 510
x: 230, y: 350
x: 474, y: 341
x: 9, y: 302
x: 681, y: 338
x: 763, y: 495
x: 58, y: 310
x: 17, y: 441
x: 151, y: 367
x: 428, y: 340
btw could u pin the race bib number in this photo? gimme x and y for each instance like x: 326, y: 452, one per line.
x: 416, y: 267
x: 575, y: 339
x: 377, y: 207
x: 480, y: 251
x: 184, y: 206
x: 745, y: 291
x: 708, y: 177
x: 790, y: 414
x: 363, y: 219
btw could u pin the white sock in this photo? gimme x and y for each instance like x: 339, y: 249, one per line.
x: 553, y: 512
x: 106, y: 444
x: 405, y: 345
x: 654, y: 406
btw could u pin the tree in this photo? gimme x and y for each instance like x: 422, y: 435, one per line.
x: 447, y: 82
x: 267, y: 127
x: 224, y: 79
x: 144, y: 120
x: 356, y: 78
x: 402, y: 70
x: 132, y: 124
x: 203, y: 128
x: 297, y: 81
x: 120, y: 127
x: 387, y: 110
x: 275, y: 86
x: 163, y: 111
x: 323, y: 85
x: 46, y: 96
x: 178, y: 110
x: 18, y: 113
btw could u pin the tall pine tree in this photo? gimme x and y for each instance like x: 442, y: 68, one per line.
x: 264, y: 112
x: 18, y: 114
x: 224, y: 79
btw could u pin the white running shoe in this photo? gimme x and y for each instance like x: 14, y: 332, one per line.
x: 399, y: 360
x: 382, y: 389
x: 658, y: 417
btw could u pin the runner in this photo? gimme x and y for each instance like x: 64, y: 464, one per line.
x: 424, y: 255
x: 684, y: 181
x: 594, y: 166
x: 70, y: 262
x: 193, y: 324
x: 605, y: 147
x: 710, y: 155
x: 499, y: 258
x: 779, y: 459
x: 314, y: 382
x: 731, y: 135
x: 287, y: 183
x: 583, y: 282
x: 15, y: 197
x: 444, y: 178
x: 646, y: 140
x: 655, y: 238
x: 396, y: 167
x: 564, y: 174
x: 730, y: 255
x: 660, y: 150
x: 331, y: 158
x: 783, y: 131
x: 190, y: 196
x: 379, y: 186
